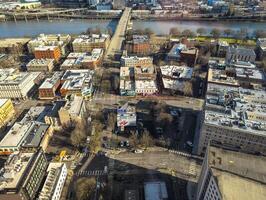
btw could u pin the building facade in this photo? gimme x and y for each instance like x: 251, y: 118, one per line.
x: 47, y: 52
x: 7, y: 111
x: 46, y: 65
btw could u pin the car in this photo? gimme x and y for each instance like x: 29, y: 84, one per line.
x: 189, y: 143
x: 138, y: 151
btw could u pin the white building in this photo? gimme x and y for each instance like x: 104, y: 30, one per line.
x: 46, y: 65
x: 54, y: 183
x: 126, y: 115
x: 134, y: 61
x: 228, y: 174
x: 16, y: 84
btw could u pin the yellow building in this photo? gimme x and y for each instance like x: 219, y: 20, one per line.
x: 7, y: 111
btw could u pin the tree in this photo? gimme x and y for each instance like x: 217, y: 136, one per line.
x: 146, y: 140
x: 111, y: 121
x: 201, y: 31
x: 215, y: 33
x: 148, y: 32
x: 228, y: 32
x: 79, y: 134
x: 242, y: 34
x: 84, y: 188
x: 188, y: 33
x: 134, y: 139
x: 164, y: 119
x: 260, y: 33
x: 174, y: 31
x: 188, y: 90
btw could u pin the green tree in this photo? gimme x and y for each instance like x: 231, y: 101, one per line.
x: 174, y: 32
x: 188, y: 33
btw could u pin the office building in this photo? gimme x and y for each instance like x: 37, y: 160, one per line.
x: 29, y: 137
x: 77, y: 82
x: 50, y: 86
x: 46, y: 65
x: 7, y: 111
x: 17, y: 85
x: 235, y: 54
x: 234, y: 117
x: 22, y: 175
x: 86, y: 43
x: 47, y: 52
x: 227, y: 174
x: 73, y: 111
x: 54, y: 182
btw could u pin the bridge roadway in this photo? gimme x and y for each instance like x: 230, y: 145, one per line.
x: 119, y: 35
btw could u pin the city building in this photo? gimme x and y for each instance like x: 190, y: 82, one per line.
x: 86, y: 43
x: 15, y: 46
x: 83, y: 60
x: 261, y: 48
x: 234, y: 117
x: 22, y: 175
x: 73, y: 111
x: 77, y: 82
x: 134, y: 61
x: 104, y: 6
x: 8, y: 6
x: 27, y: 136
x: 7, y: 111
x: 49, y: 87
x: 46, y: 65
x: 173, y: 77
x: 127, y: 81
x: 54, y: 182
x: 235, y: 53
x: 227, y: 174
x: 139, y: 45
x: 182, y: 53
x: 47, y: 52
x: 17, y: 85
x: 60, y: 40
x: 155, y: 190
x: 126, y: 115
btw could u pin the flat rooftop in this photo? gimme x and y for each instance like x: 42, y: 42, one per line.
x: 239, y: 175
x: 2, y: 102
x: 14, y: 169
x: 50, y: 82
x: 40, y: 62
x: 94, y: 38
x: 177, y: 72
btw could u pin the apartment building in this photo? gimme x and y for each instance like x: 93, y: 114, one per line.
x: 54, y: 182
x: 134, y: 61
x: 25, y: 136
x: 173, y: 77
x: 46, y: 65
x: 47, y: 52
x: 86, y: 43
x: 22, y: 175
x: 261, y: 48
x: 60, y: 40
x: 127, y: 81
x: 74, y: 109
x: 49, y: 87
x: 234, y: 117
x: 14, y: 46
x: 182, y: 53
x: 77, y: 82
x: 139, y: 45
x: 231, y: 174
x: 7, y: 111
x: 83, y: 60
x: 235, y: 53
x: 17, y: 85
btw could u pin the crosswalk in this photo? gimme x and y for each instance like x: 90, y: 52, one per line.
x: 91, y: 173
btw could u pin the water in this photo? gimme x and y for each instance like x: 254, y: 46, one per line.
x: 32, y: 28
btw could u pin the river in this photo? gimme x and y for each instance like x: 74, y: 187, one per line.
x: 32, y: 28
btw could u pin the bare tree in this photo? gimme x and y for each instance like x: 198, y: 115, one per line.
x: 228, y: 32
x: 111, y: 120
x: 188, y: 90
x: 174, y: 32
x: 260, y: 33
x: 84, y: 188
x: 215, y: 33
x: 79, y: 134
x: 188, y: 33
x: 134, y: 140
x: 201, y: 31
x: 146, y: 140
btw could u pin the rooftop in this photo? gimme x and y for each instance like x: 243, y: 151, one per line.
x: 11, y: 174
x: 94, y: 38
x: 40, y: 62
x: 138, y: 39
x: 74, y: 104
x: 2, y: 102
x: 176, y: 72
x: 50, y: 82
x: 239, y: 175
x: 241, y: 51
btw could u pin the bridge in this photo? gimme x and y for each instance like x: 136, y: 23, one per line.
x: 119, y: 36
